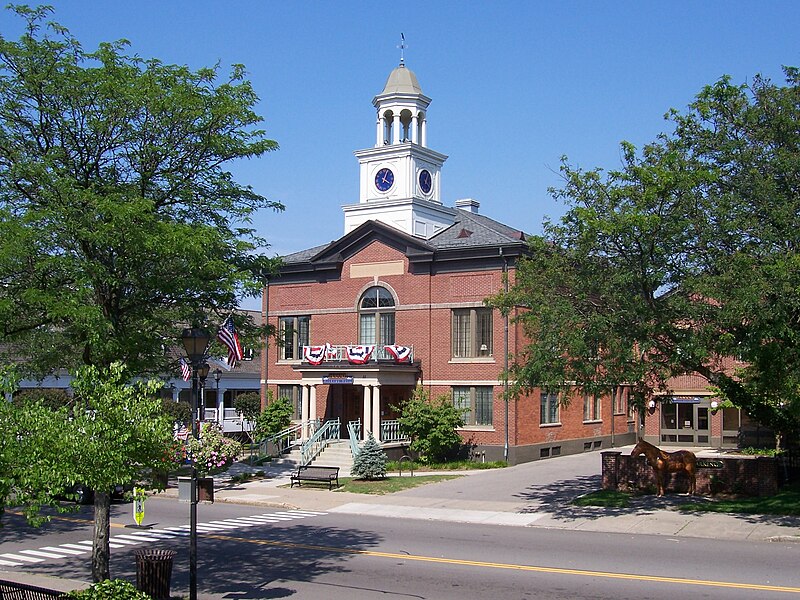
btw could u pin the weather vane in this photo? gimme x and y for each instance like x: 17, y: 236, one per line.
x: 402, y: 47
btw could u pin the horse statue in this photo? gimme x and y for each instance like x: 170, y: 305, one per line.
x: 667, y: 462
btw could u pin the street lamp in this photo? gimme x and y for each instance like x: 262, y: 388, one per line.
x: 195, y: 342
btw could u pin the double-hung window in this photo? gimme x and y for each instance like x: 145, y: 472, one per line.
x: 476, y: 402
x: 294, y: 334
x: 591, y: 407
x: 548, y: 414
x: 471, y: 332
x: 292, y: 393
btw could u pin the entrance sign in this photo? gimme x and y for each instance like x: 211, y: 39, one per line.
x: 337, y: 380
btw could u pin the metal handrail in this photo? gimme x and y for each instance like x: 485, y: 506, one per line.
x: 287, y: 436
x: 354, y: 430
x: 317, y: 442
x: 392, y: 432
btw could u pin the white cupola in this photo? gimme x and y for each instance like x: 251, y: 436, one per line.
x: 400, y: 177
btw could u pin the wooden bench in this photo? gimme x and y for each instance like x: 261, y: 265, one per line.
x: 327, y: 475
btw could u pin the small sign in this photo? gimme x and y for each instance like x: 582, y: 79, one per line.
x: 337, y: 380
x: 138, y: 505
x: 710, y: 464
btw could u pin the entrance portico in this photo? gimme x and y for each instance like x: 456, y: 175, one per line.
x: 352, y: 393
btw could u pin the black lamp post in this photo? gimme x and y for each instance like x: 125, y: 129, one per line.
x: 195, y: 341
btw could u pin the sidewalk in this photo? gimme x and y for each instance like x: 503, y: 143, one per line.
x: 536, y: 494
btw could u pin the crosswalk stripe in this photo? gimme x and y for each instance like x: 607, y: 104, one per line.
x: 63, y: 550
x: 136, y: 539
x: 150, y: 535
x: 126, y: 542
x: 40, y: 553
x: 223, y: 524
x: 83, y: 549
x: 29, y: 559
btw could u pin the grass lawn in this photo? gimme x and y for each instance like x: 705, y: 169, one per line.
x: 785, y: 502
x: 379, y: 486
x: 455, y: 465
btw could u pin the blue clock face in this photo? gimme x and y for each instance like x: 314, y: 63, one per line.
x: 384, y: 179
x: 425, y: 181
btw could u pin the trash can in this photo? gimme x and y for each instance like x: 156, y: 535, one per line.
x: 154, y: 571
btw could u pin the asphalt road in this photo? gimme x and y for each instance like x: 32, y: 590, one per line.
x: 254, y: 552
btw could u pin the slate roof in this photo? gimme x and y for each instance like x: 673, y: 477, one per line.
x: 469, y: 231
x: 472, y: 229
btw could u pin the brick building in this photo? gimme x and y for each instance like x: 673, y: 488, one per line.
x: 397, y: 301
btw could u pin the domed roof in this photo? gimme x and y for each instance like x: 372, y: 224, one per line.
x: 402, y: 81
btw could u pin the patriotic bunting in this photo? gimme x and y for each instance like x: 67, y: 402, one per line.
x: 401, y: 353
x: 316, y: 354
x: 359, y: 355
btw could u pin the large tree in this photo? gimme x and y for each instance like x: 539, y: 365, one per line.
x: 119, y: 221
x: 683, y: 260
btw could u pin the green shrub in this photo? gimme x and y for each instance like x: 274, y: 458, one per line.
x: 52, y: 398
x: 432, y: 425
x: 110, y: 589
x: 274, y: 418
x: 180, y: 412
x: 370, y: 462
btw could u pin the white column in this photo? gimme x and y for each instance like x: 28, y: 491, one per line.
x: 313, y: 404
x: 220, y: 405
x: 175, y: 393
x: 366, y: 422
x: 424, y: 141
x: 304, y: 413
x: 376, y: 412
x: 396, y: 126
x: 414, y: 127
x: 379, y: 132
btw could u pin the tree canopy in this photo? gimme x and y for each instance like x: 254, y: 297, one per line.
x: 683, y: 260
x: 119, y: 221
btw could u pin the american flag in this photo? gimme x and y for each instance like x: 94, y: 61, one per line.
x: 186, y: 370
x: 228, y: 336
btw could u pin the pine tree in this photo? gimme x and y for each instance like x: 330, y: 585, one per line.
x: 370, y: 462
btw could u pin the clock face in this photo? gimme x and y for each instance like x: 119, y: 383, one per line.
x: 425, y: 181
x: 384, y: 179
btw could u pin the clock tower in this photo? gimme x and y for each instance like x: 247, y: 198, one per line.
x: 400, y: 177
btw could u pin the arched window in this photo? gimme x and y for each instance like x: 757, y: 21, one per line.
x: 376, y: 317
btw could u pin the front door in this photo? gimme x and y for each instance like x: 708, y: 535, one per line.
x: 346, y: 404
x: 685, y: 421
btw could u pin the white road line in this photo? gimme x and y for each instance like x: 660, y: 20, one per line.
x: 8, y: 563
x: 40, y: 553
x: 136, y: 539
x: 27, y: 559
x: 126, y: 542
x: 305, y: 513
x: 223, y: 524
x: 83, y: 549
x: 63, y: 550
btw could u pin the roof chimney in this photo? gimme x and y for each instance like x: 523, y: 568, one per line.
x: 468, y: 204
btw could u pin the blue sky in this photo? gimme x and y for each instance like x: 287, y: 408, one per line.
x: 515, y: 85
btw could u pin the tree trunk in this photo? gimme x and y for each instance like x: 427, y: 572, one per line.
x: 101, y: 551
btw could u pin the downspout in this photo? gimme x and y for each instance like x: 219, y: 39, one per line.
x: 264, y: 341
x: 505, y: 354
